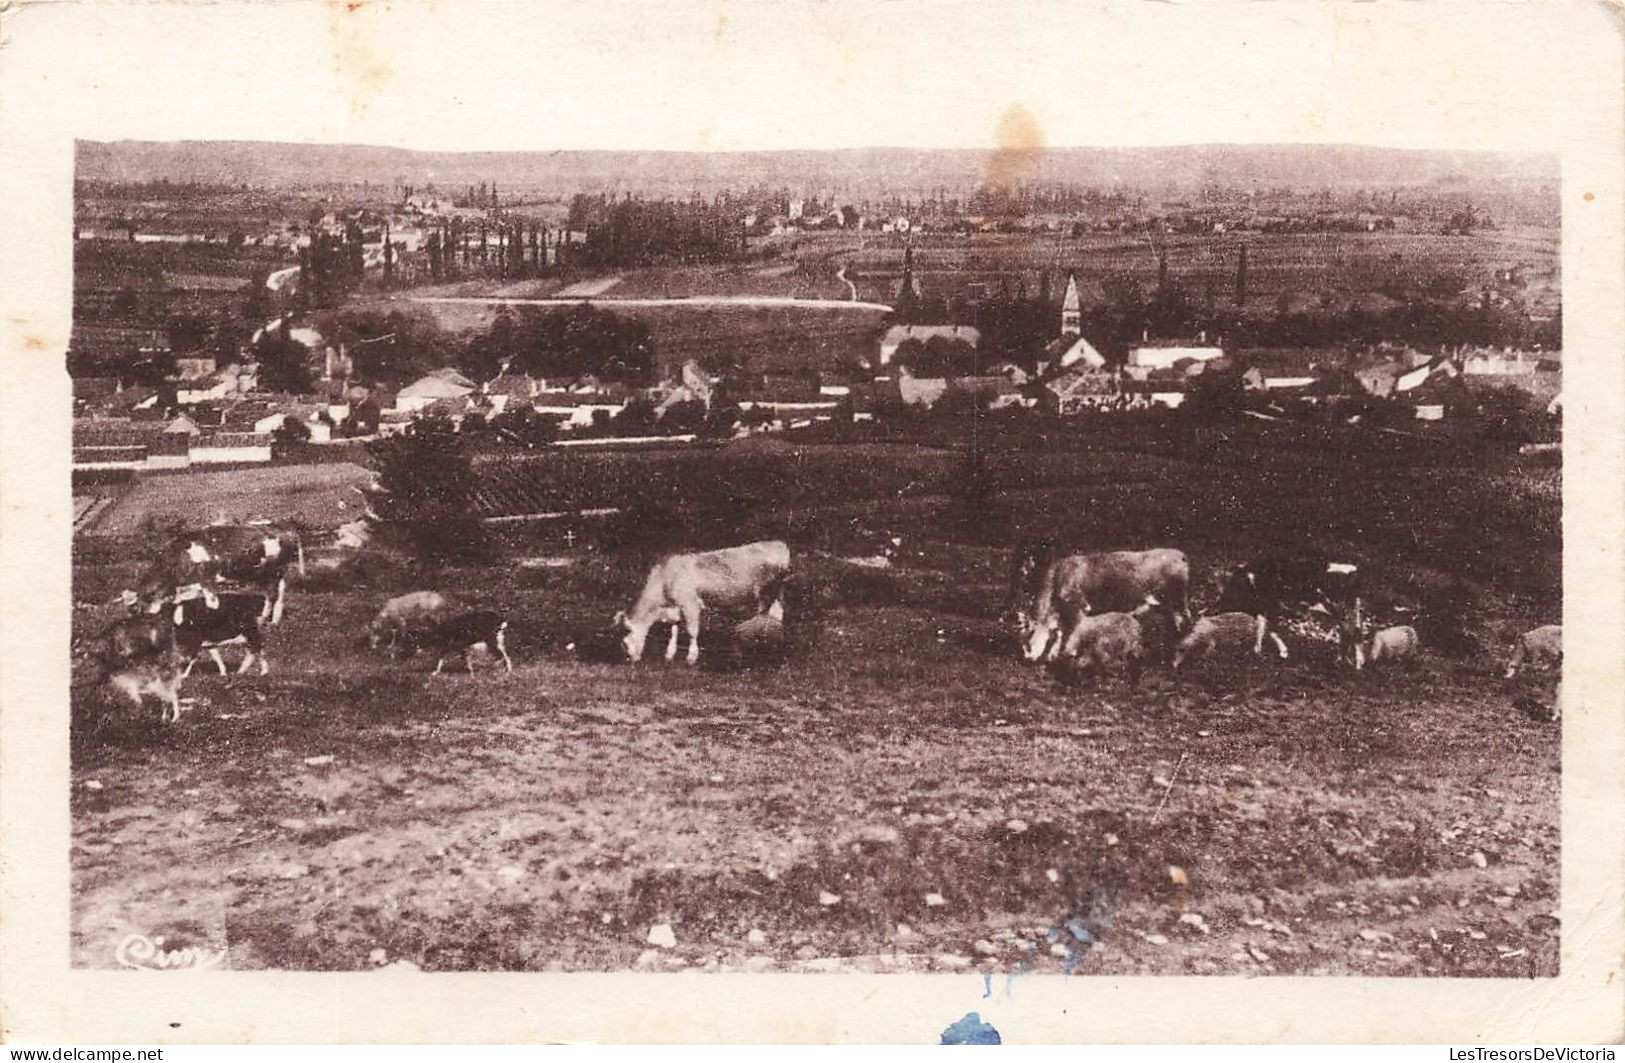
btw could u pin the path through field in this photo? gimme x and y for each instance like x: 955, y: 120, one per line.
x: 588, y: 288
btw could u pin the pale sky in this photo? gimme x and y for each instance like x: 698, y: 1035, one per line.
x: 471, y: 75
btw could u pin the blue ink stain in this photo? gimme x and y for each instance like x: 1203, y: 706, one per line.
x: 971, y: 1030
x: 987, y: 986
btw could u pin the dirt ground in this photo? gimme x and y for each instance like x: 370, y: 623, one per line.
x: 901, y: 793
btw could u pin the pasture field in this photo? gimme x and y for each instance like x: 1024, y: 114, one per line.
x: 321, y: 496
x: 899, y: 792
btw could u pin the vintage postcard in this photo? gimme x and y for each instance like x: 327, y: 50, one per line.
x: 916, y: 521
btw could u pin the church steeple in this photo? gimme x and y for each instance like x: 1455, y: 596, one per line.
x: 1071, y: 308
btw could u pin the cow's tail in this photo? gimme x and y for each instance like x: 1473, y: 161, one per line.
x: 299, y: 546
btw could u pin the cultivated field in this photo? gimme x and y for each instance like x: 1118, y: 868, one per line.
x: 900, y: 792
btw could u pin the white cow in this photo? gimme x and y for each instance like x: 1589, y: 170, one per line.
x: 682, y: 586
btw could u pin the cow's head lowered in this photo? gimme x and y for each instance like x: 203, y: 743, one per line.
x: 634, y: 628
x: 1027, y: 567
x: 1040, y: 637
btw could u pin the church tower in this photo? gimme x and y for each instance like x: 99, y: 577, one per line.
x: 1072, y: 308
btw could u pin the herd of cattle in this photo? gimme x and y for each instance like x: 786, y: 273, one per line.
x: 1088, y: 614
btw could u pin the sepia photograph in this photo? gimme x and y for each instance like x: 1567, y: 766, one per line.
x: 818, y: 561
x: 571, y: 528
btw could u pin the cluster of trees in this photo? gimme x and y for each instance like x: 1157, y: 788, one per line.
x: 331, y: 267
x: 582, y: 340
x: 394, y: 348
x: 630, y: 232
x: 426, y: 483
x: 284, y: 362
x: 389, y: 349
x: 506, y: 246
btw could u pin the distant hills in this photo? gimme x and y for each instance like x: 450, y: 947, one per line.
x: 866, y: 171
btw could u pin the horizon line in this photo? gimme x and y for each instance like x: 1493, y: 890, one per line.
x: 1327, y: 145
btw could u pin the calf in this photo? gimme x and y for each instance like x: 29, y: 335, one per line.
x: 215, y: 620
x: 138, y: 655
x: 406, y: 614
x: 1540, y: 648
x: 1394, y: 644
x: 1105, y: 640
x: 156, y: 677
x: 1222, y: 631
x: 463, y: 634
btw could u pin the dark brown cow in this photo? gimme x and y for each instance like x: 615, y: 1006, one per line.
x: 1275, y: 590
x: 247, y: 555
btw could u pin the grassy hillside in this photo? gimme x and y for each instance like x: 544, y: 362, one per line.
x: 349, y: 810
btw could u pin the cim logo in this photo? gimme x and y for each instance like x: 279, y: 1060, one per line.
x: 142, y: 953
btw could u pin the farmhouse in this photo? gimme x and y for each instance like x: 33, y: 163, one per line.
x: 1378, y: 376
x: 221, y: 384
x: 1260, y: 379
x: 222, y: 447
x: 194, y: 366
x: 112, y: 444
x: 1166, y: 357
x: 898, y: 334
x: 1068, y: 351
x: 125, y: 402
x: 577, y: 409
x: 1500, y: 363
x: 181, y: 424
x: 507, y: 391
x: 920, y: 391
x: 425, y: 391
x: 1160, y: 392
x: 993, y: 392
x: 1080, y: 388
x: 307, y: 413
x: 170, y: 450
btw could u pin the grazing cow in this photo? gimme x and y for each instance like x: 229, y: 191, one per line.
x: 1272, y: 588
x: 682, y: 586
x: 138, y: 656
x: 462, y: 634
x: 1103, y: 641
x: 404, y: 615
x: 1394, y: 644
x: 1540, y: 648
x: 215, y: 620
x: 1221, y: 631
x: 156, y: 677
x: 1123, y: 580
x: 253, y: 556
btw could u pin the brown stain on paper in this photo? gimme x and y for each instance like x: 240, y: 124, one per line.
x: 1018, y: 144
